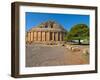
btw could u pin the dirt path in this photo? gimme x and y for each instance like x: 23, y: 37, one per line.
x: 37, y: 55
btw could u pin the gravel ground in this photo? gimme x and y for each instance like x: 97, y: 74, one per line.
x: 53, y: 55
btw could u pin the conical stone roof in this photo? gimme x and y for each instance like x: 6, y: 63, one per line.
x: 49, y: 25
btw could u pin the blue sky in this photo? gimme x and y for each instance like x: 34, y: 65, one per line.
x: 66, y: 20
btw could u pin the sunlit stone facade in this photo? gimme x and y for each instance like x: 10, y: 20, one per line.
x: 48, y: 31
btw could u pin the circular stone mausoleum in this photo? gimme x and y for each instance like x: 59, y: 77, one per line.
x: 46, y: 32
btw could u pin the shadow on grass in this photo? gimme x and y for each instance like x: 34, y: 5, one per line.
x: 72, y: 43
x: 80, y: 44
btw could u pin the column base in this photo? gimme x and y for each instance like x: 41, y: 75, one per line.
x: 46, y: 42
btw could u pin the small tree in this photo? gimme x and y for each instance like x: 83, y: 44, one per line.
x: 78, y: 32
x: 65, y: 36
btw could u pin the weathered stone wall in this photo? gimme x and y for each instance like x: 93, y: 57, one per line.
x: 48, y: 31
x: 44, y: 36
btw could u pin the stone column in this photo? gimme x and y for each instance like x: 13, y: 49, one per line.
x: 43, y: 36
x: 60, y: 36
x: 53, y: 36
x: 48, y: 36
x: 28, y: 36
x: 31, y: 36
x: 35, y: 36
x: 39, y: 36
x: 57, y: 36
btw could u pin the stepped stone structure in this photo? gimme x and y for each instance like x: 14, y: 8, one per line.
x: 46, y: 32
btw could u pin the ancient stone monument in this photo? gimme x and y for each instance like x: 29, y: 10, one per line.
x: 46, y: 32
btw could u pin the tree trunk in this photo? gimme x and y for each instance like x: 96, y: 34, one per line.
x: 79, y: 41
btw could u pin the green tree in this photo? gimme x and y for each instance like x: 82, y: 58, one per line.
x: 78, y: 32
x: 65, y: 36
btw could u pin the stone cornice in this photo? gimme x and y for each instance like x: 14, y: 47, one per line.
x: 46, y: 29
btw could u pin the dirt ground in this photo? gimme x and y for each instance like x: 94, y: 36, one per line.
x: 54, y: 55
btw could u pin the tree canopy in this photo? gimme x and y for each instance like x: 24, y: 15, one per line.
x: 78, y: 32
